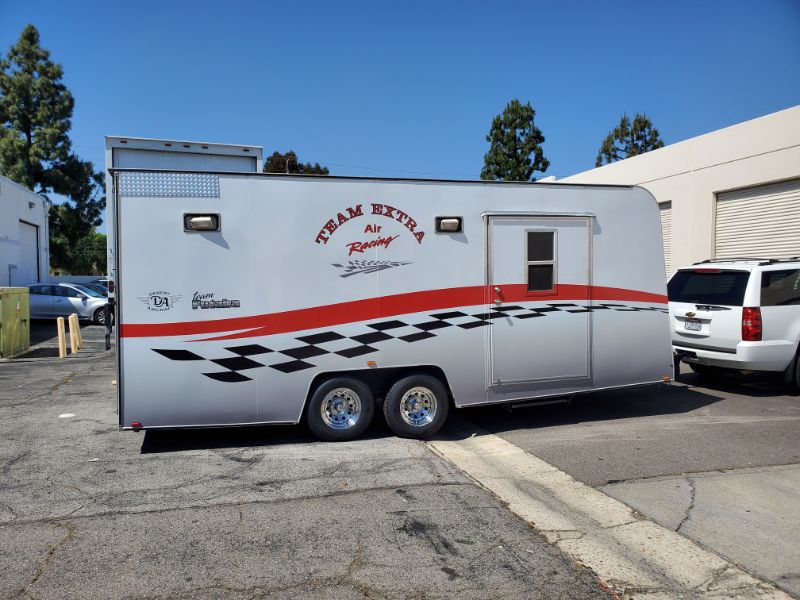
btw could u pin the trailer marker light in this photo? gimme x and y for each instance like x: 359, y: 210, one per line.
x: 372, y: 363
x: 449, y: 224
x: 136, y: 425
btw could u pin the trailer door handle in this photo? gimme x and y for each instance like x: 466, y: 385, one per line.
x: 497, y: 300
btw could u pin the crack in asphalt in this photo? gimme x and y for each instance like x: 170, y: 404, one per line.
x: 692, y: 498
x: 71, y: 529
x: 335, y: 494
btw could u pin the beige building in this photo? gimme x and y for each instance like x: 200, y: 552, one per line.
x: 730, y: 193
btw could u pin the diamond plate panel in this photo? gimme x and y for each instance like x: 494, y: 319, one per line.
x: 169, y: 185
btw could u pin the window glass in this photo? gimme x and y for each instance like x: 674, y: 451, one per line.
x: 89, y: 291
x: 68, y: 292
x: 540, y: 278
x: 540, y: 245
x: 780, y: 288
x: 715, y: 287
x: 42, y: 290
x: 541, y: 265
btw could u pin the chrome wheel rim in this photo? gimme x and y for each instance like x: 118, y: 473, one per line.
x: 418, y: 406
x: 341, y: 408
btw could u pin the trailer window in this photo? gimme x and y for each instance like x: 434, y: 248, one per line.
x: 540, y: 255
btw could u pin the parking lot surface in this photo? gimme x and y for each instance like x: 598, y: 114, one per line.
x: 718, y: 463
x: 89, y: 511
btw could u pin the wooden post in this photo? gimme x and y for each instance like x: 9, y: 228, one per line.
x: 62, y: 341
x: 78, y: 333
x: 73, y: 338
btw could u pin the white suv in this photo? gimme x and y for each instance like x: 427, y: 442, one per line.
x: 741, y: 314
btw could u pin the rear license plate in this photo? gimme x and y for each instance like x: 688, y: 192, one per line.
x: 692, y: 324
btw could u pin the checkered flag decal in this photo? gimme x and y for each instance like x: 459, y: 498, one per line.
x: 254, y: 356
x: 362, y: 267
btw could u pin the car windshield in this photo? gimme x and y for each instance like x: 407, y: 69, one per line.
x: 708, y: 286
x: 88, y: 291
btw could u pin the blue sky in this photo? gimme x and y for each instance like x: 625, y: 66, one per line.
x: 410, y: 88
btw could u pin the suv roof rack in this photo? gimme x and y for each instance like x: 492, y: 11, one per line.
x: 760, y: 261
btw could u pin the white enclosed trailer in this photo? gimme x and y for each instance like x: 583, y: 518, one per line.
x: 246, y: 298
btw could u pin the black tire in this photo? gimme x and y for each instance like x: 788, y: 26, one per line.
x: 340, y: 409
x: 430, y: 406
x: 99, y: 317
x: 792, y: 375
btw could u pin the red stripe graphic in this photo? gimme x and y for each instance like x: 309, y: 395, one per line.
x: 378, y: 308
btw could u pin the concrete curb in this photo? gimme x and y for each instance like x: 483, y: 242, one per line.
x: 635, y: 557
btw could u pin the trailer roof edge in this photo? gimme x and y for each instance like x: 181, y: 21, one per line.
x: 113, y: 170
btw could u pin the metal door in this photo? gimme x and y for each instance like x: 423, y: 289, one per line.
x: 41, y: 301
x: 539, y: 279
x: 28, y: 269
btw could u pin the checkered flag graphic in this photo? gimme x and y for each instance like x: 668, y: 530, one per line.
x: 254, y: 356
x: 362, y: 267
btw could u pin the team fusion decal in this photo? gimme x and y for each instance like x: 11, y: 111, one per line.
x: 372, y: 236
x: 159, y: 301
x: 204, y: 300
x: 332, y: 342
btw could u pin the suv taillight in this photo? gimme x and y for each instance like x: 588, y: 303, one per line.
x: 751, y: 324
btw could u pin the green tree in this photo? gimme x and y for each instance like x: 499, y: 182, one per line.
x: 35, y: 148
x: 288, y: 163
x: 515, y: 145
x: 629, y: 139
x: 85, y: 256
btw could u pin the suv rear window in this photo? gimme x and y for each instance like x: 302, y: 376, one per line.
x: 780, y: 288
x: 708, y: 286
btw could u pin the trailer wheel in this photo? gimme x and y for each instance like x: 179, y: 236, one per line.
x: 416, y: 406
x: 340, y: 409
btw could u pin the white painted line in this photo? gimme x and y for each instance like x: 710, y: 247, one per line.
x: 635, y: 557
x: 66, y: 415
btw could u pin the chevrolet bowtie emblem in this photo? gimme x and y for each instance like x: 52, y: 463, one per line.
x: 690, y: 315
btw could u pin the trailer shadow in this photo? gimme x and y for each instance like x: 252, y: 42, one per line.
x: 689, y: 395
x: 181, y: 440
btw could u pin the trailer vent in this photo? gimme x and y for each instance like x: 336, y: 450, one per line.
x: 169, y: 185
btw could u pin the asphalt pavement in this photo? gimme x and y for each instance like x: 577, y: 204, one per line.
x: 719, y: 464
x: 89, y: 511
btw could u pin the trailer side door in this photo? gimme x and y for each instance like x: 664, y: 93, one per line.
x: 539, y: 276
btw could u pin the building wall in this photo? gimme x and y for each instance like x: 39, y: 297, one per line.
x: 691, y: 173
x: 18, y: 203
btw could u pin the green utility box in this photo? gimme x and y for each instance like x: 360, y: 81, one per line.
x: 15, y: 322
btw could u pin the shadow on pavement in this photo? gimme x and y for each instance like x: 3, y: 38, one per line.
x: 181, y: 440
x: 44, y: 330
x: 608, y: 405
x: 594, y: 406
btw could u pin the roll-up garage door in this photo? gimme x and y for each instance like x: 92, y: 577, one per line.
x: 759, y: 222
x: 665, y: 211
x: 27, y: 270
